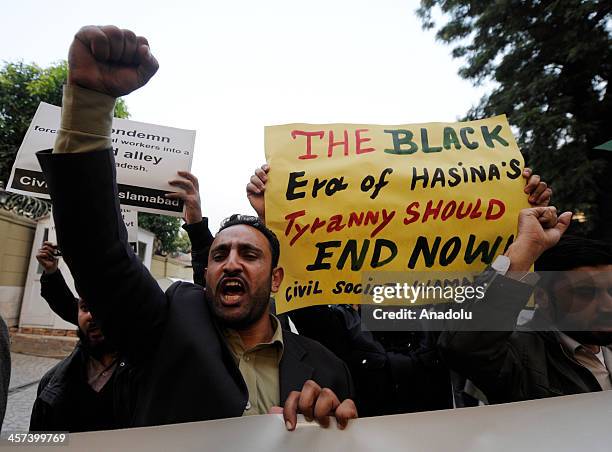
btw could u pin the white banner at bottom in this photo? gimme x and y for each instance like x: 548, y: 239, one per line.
x: 569, y: 423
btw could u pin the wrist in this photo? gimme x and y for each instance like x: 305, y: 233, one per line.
x: 522, y: 256
x: 192, y: 217
x: 86, y: 121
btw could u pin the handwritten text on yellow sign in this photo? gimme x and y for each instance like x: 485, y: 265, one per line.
x: 346, y: 199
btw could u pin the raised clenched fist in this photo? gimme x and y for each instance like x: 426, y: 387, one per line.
x: 539, y: 228
x: 110, y: 60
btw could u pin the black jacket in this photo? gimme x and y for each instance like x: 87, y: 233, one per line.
x: 188, y: 372
x: 513, y: 364
x: 5, y: 367
x: 60, y: 390
x: 201, y: 239
x: 394, y: 372
x: 62, y: 403
x: 57, y: 294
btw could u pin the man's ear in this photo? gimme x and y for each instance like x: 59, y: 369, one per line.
x: 277, y: 278
x: 543, y: 303
x: 541, y: 298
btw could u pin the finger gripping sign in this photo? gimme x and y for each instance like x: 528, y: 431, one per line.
x: 346, y: 200
x: 147, y: 156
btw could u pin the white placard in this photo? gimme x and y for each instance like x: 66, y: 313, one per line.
x: 147, y: 157
x: 130, y: 218
x: 559, y: 424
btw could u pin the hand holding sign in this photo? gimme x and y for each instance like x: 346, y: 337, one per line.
x: 256, y: 190
x: 47, y: 257
x: 317, y: 403
x: 191, y: 196
x: 539, y: 192
x: 110, y: 60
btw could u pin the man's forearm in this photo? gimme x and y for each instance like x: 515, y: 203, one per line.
x: 87, y: 118
x: 201, y: 239
x: 57, y: 294
x: 486, y: 357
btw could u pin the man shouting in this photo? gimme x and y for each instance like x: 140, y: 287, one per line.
x: 201, y: 354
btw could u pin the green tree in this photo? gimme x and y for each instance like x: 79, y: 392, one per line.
x: 182, y: 242
x: 550, y: 64
x: 22, y: 88
x: 166, y: 229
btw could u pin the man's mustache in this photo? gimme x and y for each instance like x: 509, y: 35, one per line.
x: 93, y: 328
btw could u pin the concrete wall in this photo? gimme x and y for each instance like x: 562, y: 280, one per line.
x: 16, y: 236
x: 167, y: 267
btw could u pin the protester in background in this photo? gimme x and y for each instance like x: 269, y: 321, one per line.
x: 205, y: 354
x: 53, y: 287
x: 565, y: 349
x: 195, y: 224
x: 84, y: 391
x: 394, y: 372
x: 5, y: 367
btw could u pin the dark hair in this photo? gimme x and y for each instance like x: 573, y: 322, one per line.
x: 249, y: 220
x: 573, y: 252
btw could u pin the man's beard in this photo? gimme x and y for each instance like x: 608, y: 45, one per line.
x: 591, y: 337
x: 260, y: 304
x: 596, y: 332
x: 96, y: 349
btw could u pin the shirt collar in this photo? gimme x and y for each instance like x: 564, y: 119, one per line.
x: 237, y: 346
x: 569, y: 344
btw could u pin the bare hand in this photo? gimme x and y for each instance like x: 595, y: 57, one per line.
x: 539, y: 229
x: 316, y: 403
x: 110, y: 60
x: 46, y: 257
x: 191, y: 196
x: 539, y: 192
x: 256, y: 189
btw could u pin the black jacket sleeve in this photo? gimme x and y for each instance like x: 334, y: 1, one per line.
x: 57, y: 294
x: 41, y: 418
x: 5, y: 367
x: 490, y: 358
x: 124, y: 298
x: 384, y: 379
x: 201, y: 239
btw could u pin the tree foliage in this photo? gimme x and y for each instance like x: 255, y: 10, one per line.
x: 550, y: 64
x: 22, y: 88
x: 166, y: 229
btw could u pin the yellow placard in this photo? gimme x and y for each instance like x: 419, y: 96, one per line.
x: 349, y: 199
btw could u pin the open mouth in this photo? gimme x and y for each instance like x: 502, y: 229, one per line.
x: 232, y: 290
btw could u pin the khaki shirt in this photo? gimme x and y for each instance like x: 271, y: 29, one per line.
x: 259, y: 368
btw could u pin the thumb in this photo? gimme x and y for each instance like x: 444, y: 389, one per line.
x: 563, y: 222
